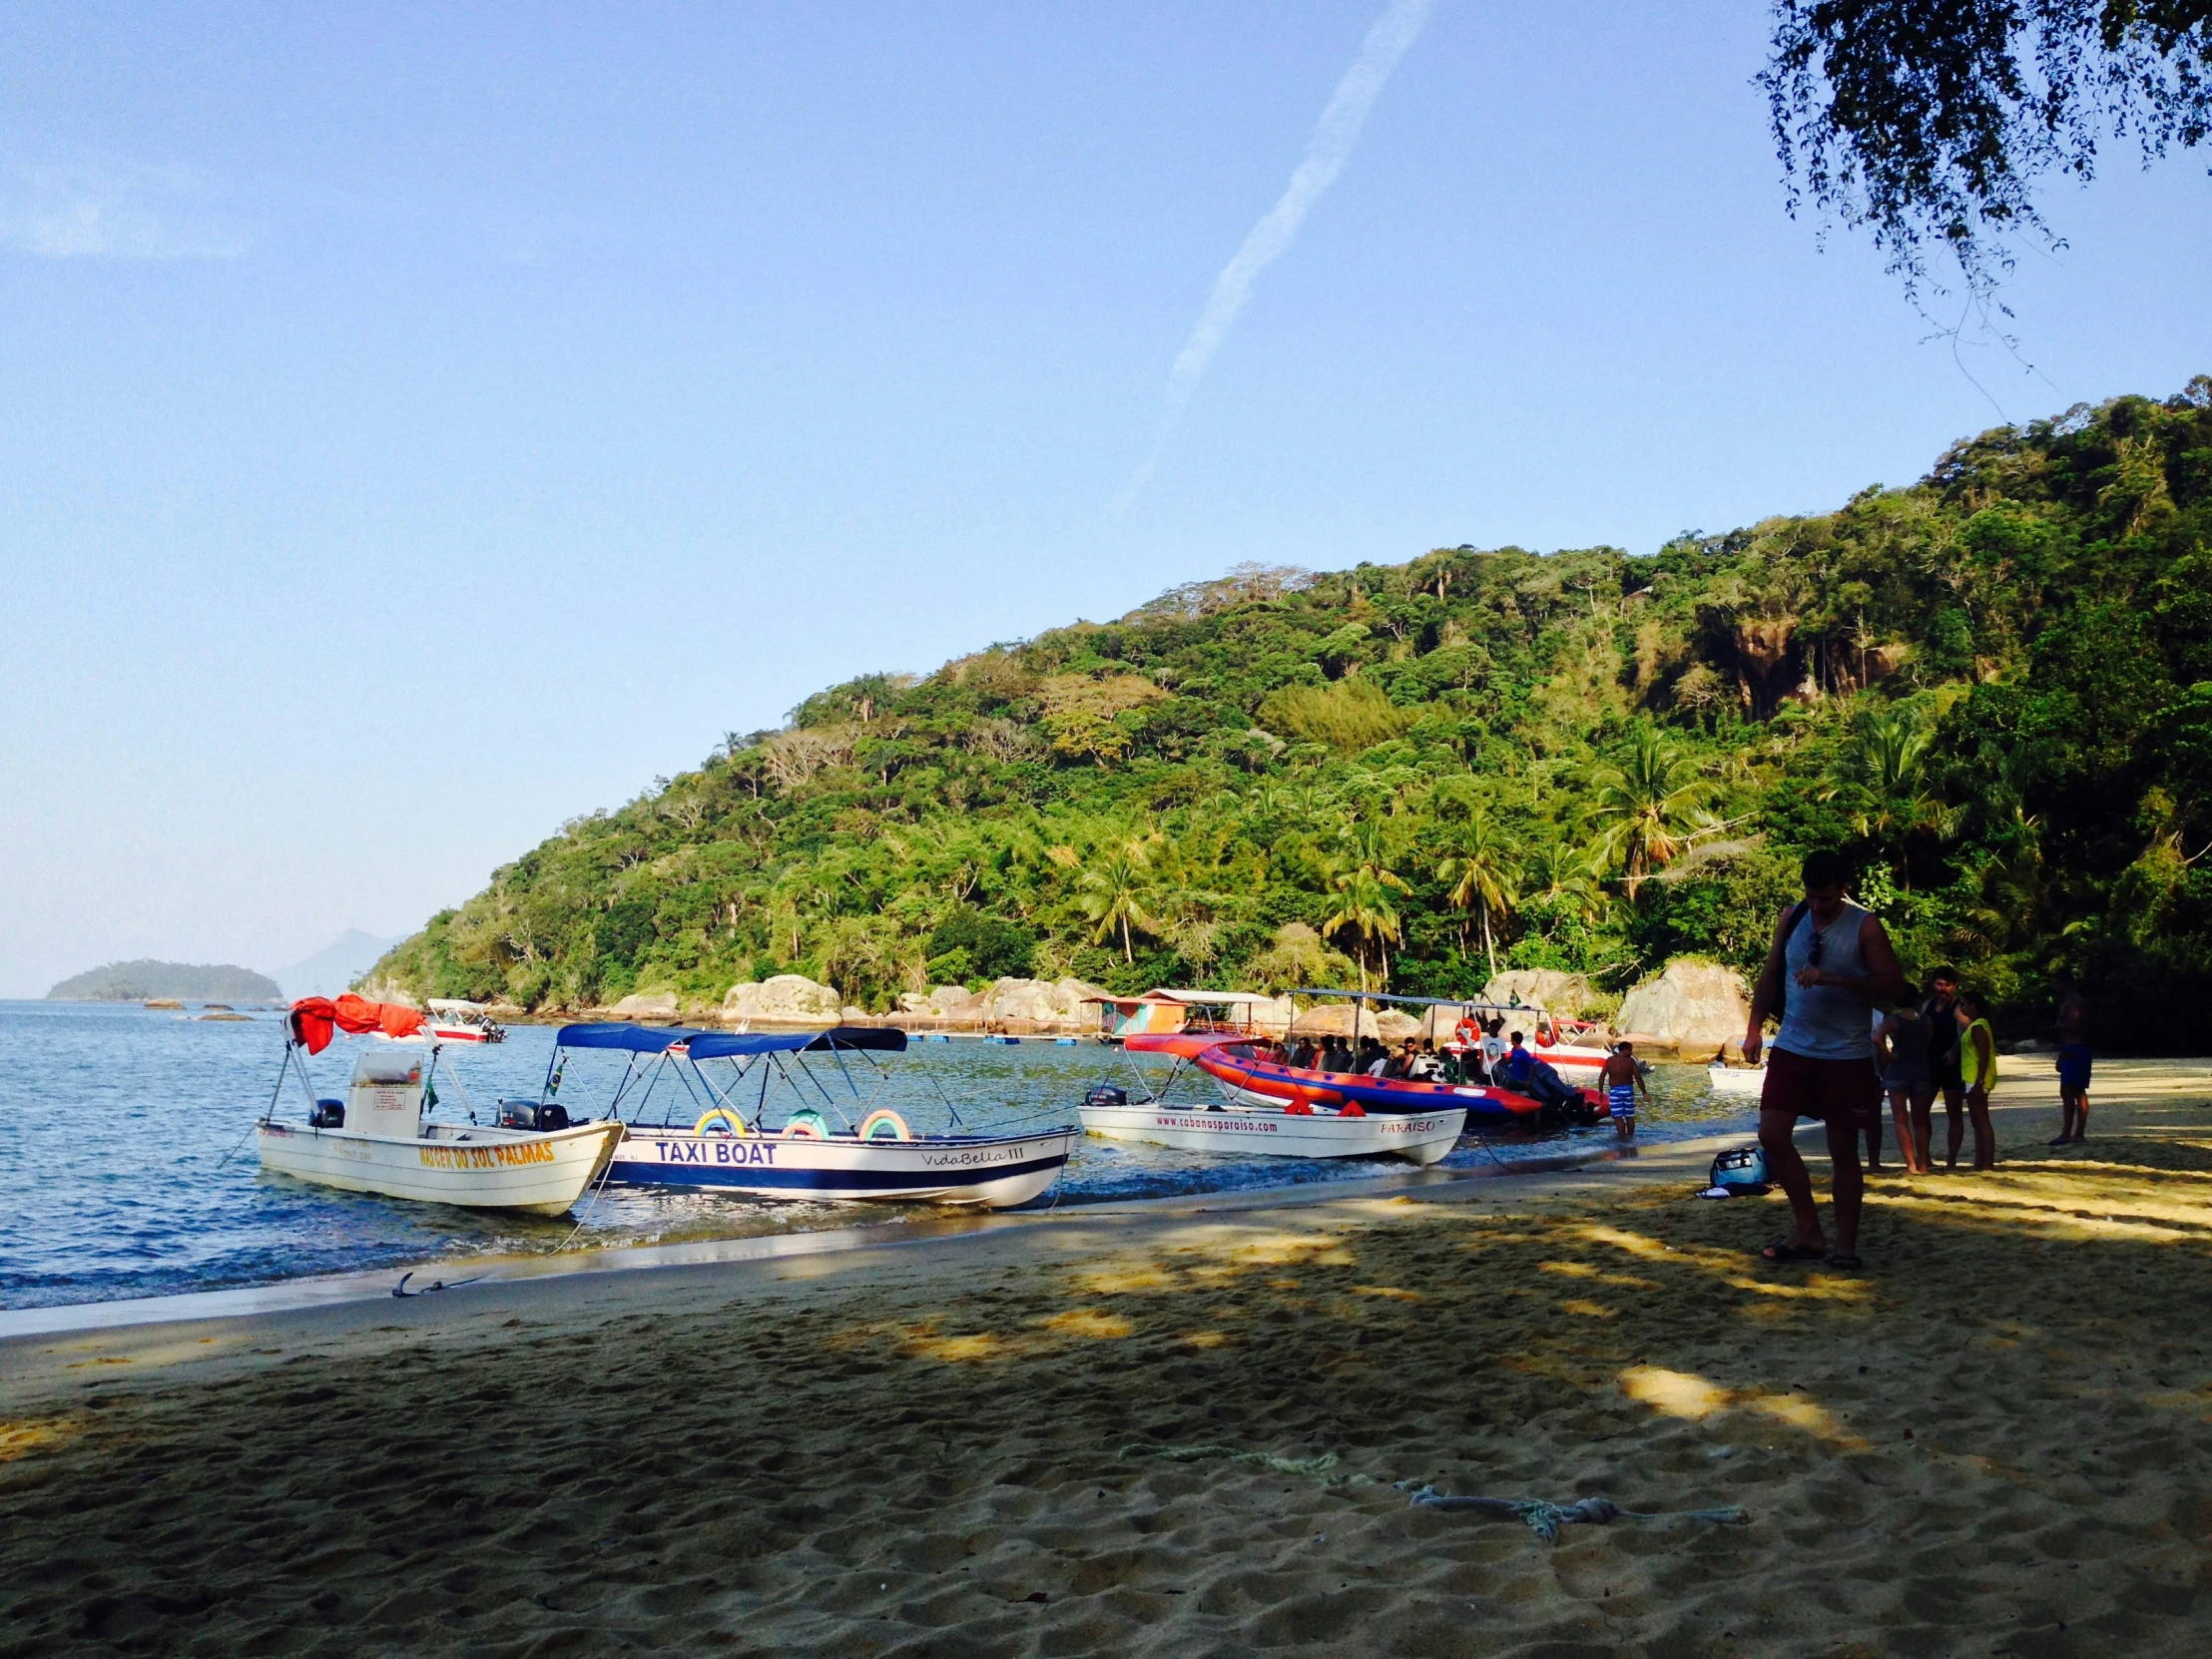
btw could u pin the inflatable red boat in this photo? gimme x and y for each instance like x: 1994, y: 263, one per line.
x: 1254, y: 1079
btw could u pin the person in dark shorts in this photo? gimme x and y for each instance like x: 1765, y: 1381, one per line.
x: 1944, y: 1077
x: 2073, y: 1062
x: 1833, y: 961
x: 1901, y: 1043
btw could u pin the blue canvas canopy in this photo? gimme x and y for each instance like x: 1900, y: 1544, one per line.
x: 723, y: 1045
x: 638, y: 1039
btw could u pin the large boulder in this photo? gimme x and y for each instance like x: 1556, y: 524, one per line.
x: 1690, y: 1005
x: 1274, y: 1018
x: 648, y: 1005
x: 785, y: 1000
x: 1043, y: 1004
x: 1333, y: 1019
x: 1564, y: 994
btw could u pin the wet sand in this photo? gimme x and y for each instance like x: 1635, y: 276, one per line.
x: 1991, y: 1440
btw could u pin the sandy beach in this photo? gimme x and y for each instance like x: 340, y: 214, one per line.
x: 1194, y: 1428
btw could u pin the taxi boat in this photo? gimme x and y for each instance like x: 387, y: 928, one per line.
x: 744, y: 1112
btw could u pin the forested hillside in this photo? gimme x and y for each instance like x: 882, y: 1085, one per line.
x: 1992, y: 688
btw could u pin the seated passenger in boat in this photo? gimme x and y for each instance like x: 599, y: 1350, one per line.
x: 1516, y: 1068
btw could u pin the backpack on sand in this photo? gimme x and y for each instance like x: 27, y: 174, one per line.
x: 1743, y: 1172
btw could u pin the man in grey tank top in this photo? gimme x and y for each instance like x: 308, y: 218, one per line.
x: 1832, y: 961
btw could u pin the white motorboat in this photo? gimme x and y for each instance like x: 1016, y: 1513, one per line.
x: 1738, y: 1080
x: 454, y: 1021
x: 1276, y: 1131
x: 733, y: 1146
x: 378, y: 1138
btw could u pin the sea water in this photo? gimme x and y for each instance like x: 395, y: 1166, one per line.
x: 128, y: 1167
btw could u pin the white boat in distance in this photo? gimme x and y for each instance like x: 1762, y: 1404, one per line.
x: 453, y: 1020
x: 731, y: 1146
x: 1740, y: 1080
x: 378, y: 1139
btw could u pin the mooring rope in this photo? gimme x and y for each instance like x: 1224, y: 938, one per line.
x: 1541, y: 1517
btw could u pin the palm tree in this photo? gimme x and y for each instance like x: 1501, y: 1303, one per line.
x: 1364, y: 882
x: 1113, y: 894
x: 1889, y: 763
x: 1649, y: 796
x: 1483, y: 872
x: 1568, y: 876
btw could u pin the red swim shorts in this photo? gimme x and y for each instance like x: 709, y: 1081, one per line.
x: 1833, y: 1091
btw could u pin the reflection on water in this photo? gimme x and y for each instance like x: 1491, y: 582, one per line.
x: 125, y: 1169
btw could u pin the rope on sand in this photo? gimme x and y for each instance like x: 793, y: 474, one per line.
x: 1318, y: 1468
x: 1545, y: 1519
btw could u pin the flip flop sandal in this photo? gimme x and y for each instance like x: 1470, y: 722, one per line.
x: 1844, y: 1259
x: 1782, y: 1249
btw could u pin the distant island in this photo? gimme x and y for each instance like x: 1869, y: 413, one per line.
x: 189, y: 981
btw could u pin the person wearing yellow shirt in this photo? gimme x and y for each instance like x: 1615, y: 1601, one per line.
x: 1978, y: 1066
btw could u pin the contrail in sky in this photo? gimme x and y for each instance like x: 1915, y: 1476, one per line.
x: 1336, y: 135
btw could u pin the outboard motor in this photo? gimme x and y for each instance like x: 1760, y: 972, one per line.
x: 1106, y: 1094
x: 327, y: 1114
x: 529, y: 1114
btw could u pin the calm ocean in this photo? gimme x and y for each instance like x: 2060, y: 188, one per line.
x: 125, y: 1169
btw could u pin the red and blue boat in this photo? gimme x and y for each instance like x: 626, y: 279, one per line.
x: 1249, y: 1074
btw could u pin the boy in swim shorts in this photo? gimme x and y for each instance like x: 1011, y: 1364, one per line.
x: 2073, y: 1062
x: 1621, y: 1077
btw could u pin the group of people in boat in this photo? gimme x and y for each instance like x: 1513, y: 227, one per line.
x: 1490, y: 1061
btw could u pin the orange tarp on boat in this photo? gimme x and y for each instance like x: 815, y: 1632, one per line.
x: 316, y: 1019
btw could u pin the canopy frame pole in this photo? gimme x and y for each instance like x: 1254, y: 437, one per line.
x: 307, y: 1088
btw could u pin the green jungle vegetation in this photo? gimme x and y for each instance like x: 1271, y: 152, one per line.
x: 187, y: 981
x: 1992, y: 689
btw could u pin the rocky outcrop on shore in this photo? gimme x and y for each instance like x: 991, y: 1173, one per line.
x: 1690, y: 1006
x: 648, y: 1007
x: 783, y: 999
x: 1568, y: 995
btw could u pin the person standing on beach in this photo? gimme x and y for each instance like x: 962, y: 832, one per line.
x: 1977, y: 1063
x: 1901, y: 1044
x: 1621, y: 1077
x: 2073, y: 1062
x: 1830, y: 960
x: 1940, y: 1010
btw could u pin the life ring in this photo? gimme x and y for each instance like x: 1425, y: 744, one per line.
x: 807, y: 1123
x: 1468, y: 1033
x: 1547, y: 1036
x: 731, y: 1123
x: 883, y: 1124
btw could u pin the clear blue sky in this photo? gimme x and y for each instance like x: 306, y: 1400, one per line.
x: 421, y: 424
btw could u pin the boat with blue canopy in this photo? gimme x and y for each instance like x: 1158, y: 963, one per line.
x: 797, y: 1115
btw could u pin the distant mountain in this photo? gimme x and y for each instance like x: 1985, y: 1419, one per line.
x: 191, y: 981
x: 336, y: 966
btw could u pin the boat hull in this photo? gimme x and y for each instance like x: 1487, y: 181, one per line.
x: 991, y: 1172
x: 1270, y: 1131
x: 1741, y: 1080
x: 476, y: 1168
x: 1250, y: 1080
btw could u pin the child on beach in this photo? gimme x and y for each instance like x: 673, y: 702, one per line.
x: 1621, y: 1077
x: 2073, y: 1062
x: 1978, y: 1064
